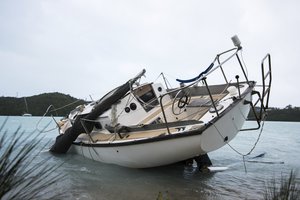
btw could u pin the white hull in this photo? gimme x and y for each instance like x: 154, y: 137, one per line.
x: 164, y: 152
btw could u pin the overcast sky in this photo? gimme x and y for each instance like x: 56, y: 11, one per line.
x: 87, y: 47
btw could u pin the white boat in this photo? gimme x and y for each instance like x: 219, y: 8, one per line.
x: 26, y: 114
x: 142, y: 125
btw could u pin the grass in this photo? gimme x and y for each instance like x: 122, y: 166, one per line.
x: 21, y: 175
x: 287, y: 189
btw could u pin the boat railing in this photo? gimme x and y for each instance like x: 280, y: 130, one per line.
x: 210, y: 96
x: 266, y: 75
x: 263, y: 96
x: 203, y: 77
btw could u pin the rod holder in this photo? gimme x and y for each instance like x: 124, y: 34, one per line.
x: 238, y: 84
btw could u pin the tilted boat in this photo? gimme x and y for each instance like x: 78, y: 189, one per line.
x: 141, y: 125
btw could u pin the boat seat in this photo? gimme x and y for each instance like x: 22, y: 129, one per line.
x: 202, y: 102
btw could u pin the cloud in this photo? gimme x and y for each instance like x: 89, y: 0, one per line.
x: 89, y: 47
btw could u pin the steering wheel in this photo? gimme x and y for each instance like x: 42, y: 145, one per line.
x: 181, y: 100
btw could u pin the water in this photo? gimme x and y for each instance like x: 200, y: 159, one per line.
x: 87, y: 179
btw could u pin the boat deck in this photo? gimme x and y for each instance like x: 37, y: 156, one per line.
x: 199, y: 105
x: 140, y: 132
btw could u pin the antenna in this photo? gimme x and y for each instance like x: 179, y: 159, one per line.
x: 236, y: 41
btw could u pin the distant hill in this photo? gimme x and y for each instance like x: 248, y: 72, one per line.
x: 289, y: 113
x: 38, y: 104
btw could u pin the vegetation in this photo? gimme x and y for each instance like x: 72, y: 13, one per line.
x: 289, y: 113
x: 38, y: 104
x: 288, y: 189
x: 21, y: 177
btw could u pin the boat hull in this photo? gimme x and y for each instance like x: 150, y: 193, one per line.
x: 152, y: 153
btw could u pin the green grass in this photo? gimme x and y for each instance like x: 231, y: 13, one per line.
x: 21, y: 175
x: 287, y: 189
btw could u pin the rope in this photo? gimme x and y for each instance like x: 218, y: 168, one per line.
x: 38, y: 123
x: 85, y: 128
x: 112, y: 138
x: 166, y: 81
x: 251, y: 150
x: 53, y: 110
x: 126, y: 105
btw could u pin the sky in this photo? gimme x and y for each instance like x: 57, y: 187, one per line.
x: 87, y: 47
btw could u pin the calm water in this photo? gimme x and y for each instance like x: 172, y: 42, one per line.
x: 87, y: 179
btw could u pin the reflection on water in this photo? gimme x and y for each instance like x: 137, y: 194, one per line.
x: 87, y: 179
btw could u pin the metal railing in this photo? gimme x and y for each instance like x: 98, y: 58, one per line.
x: 264, y: 96
x: 204, y: 78
x: 268, y: 74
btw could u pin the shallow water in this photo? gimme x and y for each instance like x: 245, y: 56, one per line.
x: 87, y: 179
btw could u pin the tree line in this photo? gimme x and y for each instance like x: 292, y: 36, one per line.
x: 62, y: 104
x: 37, y: 105
x: 288, y: 113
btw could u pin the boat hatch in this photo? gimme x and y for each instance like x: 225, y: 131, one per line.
x: 146, y: 96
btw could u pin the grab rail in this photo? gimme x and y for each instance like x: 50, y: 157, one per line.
x: 266, y: 88
x: 212, y: 67
x: 210, y: 96
x: 264, y: 97
x: 203, y: 76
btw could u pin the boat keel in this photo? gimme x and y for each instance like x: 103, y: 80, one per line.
x: 203, y: 162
